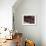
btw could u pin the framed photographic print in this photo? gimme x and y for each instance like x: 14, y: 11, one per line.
x: 28, y: 20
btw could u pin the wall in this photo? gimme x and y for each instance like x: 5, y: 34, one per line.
x: 6, y: 13
x: 43, y: 22
x: 32, y: 32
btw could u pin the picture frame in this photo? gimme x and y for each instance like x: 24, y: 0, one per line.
x: 28, y: 20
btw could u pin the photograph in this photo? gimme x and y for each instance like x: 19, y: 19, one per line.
x: 22, y: 22
x: 29, y: 20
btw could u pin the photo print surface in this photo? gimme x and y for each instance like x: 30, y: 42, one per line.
x: 29, y: 20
